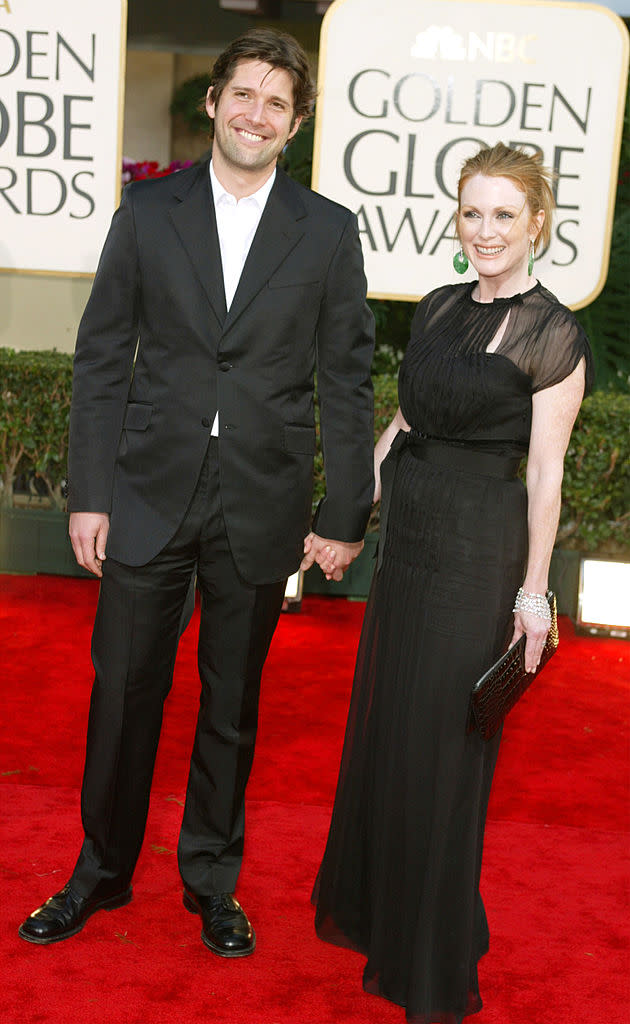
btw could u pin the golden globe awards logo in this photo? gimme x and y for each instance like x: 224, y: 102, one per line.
x: 60, y: 75
x: 34, y: 130
x: 423, y: 88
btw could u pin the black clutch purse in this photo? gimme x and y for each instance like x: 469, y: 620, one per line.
x: 501, y: 686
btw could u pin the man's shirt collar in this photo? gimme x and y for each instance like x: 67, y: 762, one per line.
x: 221, y: 194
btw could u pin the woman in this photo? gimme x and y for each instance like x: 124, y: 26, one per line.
x: 493, y: 370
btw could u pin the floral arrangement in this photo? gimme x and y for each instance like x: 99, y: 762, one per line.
x: 133, y: 170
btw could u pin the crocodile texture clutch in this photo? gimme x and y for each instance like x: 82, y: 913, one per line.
x: 496, y: 693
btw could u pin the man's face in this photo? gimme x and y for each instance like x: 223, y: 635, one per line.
x: 253, y: 119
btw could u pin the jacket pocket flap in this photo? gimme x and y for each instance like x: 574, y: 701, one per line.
x: 300, y: 440
x: 284, y: 281
x: 137, y: 416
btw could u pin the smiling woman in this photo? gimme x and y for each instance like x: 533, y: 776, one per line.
x: 503, y: 218
x: 493, y: 370
x: 497, y: 229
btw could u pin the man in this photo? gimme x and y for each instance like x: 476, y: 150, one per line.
x: 192, y: 436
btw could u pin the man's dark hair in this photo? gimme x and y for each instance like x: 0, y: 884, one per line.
x: 278, y: 49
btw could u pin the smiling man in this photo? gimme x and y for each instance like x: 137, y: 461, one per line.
x: 255, y: 121
x: 219, y: 291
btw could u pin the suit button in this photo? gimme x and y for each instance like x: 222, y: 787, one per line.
x: 205, y: 422
x: 224, y: 367
x: 229, y: 426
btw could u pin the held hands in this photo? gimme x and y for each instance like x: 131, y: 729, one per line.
x: 536, y: 629
x: 332, y: 556
x: 88, y: 534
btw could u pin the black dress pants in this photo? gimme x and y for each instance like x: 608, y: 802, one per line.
x: 134, y: 643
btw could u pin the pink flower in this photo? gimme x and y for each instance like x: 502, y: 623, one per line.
x: 133, y: 170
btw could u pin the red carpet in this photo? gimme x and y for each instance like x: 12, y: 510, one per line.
x: 555, y: 872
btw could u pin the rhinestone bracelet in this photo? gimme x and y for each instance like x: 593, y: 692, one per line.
x: 536, y: 604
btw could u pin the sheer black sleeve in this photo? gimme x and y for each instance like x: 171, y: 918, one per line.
x: 545, y: 340
x: 560, y: 348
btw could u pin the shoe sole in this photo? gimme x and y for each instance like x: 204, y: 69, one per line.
x: 192, y: 908
x: 110, y: 904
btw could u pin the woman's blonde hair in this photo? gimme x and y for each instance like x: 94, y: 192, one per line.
x: 528, y: 174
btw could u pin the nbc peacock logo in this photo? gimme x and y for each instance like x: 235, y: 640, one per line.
x: 442, y: 42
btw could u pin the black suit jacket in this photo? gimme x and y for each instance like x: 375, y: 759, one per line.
x: 157, y: 354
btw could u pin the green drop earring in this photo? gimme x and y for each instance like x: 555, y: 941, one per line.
x: 530, y: 262
x: 460, y: 261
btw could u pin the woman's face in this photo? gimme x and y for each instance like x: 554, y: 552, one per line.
x: 495, y: 227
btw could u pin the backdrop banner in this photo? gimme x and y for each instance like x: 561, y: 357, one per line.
x: 61, y: 90
x: 407, y: 91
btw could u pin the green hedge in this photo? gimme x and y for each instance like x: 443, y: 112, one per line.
x: 596, y: 487
x: 36, y: 386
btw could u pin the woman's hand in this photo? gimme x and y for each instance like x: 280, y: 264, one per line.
x: 536, y: 629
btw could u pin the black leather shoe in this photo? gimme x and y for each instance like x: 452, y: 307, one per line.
x: 65, y: 913
x: 226, y: 930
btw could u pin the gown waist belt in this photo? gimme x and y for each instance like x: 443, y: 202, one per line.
x: 466, y: 459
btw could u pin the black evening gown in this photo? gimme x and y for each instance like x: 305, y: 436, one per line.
x: 400, y: 876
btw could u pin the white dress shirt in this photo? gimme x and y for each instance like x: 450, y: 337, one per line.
x: 237, y: 221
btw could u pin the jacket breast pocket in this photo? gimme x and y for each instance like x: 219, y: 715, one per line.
x: 137, y: 416
x: 291, y: 281
x: 300, y: 440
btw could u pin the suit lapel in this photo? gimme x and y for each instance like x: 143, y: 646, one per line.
x: 281, y: 227
x: 195, y: 222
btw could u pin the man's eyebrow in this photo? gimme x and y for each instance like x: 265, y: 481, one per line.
x: 249, y: 88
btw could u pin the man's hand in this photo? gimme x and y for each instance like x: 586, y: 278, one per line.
x: 88, y: 533
x: 332, y: 556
